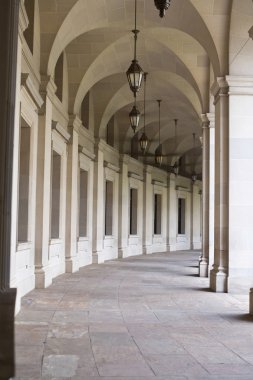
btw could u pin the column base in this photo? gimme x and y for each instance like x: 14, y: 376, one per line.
x: 72, y: 264
x: 147, y: 249
x: 122, y: 253
x: 203, y: 268
x: 196, y: 245
x: 218, y: 280
x: 171, y: 247
x: 43, y: 277
x: 97, y: 257
x: 7, y: 353
x: 251, y: 301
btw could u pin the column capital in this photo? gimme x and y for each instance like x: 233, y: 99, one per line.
x: 48, y: 87
x: 205, y: 120
x: 219, y: 88
x: 211, y: 118
x: 148, y: 169
x: 74, y: 123
x: 124, y: 158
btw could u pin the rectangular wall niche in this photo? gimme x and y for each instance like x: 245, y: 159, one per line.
x: 158, y: 214
x: 108, y: 207
x: 83, y: 203
x: 133, y: 211
x: 24, y: 174
x: 55, y: 195
x: 181, y: 216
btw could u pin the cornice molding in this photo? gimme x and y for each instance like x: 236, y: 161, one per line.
x: 240, y: 85
x: 135, y: 176
x: 158, y: 183
x: 61, y: 130
x: 27, y: 83
x: 86, y: 152
x: 111, y: 166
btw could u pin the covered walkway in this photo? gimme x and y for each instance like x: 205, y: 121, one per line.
x: 148, y: 317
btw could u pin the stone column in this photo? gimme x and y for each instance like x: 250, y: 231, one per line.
x: 98, y: 206
x: 172, y: 214
x: 204, y: 259
x: 219, y: 272
x: 9, y: 18
x: 147, y: 210
x: 72, y: 263
x: 241, y: 181
x: 123, y: 207
x: 211, y: 118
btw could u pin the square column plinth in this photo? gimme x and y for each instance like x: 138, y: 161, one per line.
x: 7, y: 312
x: 251, y: 301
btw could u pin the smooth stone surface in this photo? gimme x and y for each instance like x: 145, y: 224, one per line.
x: 142, y: 318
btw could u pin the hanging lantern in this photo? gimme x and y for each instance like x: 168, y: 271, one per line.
x: 159, y: 153
x: 194, y: 177
x: 135, y: 72
x: 159, y: 158
x: 144, y: 140
x: 176, y: 169
x: 162, y: 6
x: 134, y: 117
x: 134, y: 76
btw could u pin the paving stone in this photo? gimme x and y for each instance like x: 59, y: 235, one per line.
x: 141, y: 318
x: 175, y: 365
x: 59, y: 365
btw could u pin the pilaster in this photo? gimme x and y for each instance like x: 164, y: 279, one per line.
x: 123, y: 207
x: 204, y: 260
x: 147, y: 210
x: 196, y: 217
x: 43, y: 276
x: 172, y: 214
x: 98, y: 206
x: 72, y: 262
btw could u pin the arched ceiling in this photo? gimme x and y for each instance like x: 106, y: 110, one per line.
x: 181, y: 52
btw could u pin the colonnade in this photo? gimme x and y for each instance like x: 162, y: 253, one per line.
x: 227, y: 185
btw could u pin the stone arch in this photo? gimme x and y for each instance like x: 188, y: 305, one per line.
x: 240, y: 44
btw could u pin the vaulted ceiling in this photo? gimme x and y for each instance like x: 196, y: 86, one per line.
x: 182, y: 53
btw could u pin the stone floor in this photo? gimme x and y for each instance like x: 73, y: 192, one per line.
x: 148, y: 317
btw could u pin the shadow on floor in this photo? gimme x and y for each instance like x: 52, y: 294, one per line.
x: 192, y: 275
x: 240, y: 317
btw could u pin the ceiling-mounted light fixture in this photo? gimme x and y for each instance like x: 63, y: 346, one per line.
x: 135, y: 72
x: 176, y: 168
x: 144, y: 140
x: 162, y: 6
x: 134, y: 117
x: 159, y: 153
x: 194, y: 177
